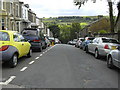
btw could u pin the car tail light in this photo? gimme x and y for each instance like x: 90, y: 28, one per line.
x: 36, y: 40
x: 3, y: 48
x: 52, y: 40
x: 106, y: 47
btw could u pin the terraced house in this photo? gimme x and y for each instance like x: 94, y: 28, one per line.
x: 10, y: 15
x: 15, y: 15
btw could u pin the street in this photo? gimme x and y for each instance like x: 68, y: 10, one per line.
x: 60, y: 66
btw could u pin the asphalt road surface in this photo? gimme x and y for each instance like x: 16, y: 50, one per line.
x: 60, y: 66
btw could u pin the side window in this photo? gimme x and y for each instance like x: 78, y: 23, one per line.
x: 16, y: 38
x: 22, y: 39
x: 94, y: 41
x: 4, y: 36
x: 97, y: 41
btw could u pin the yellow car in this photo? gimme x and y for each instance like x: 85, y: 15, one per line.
x: 13, y: 46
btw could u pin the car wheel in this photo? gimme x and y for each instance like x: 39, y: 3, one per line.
x: 30, y: 53
x: 96, y: 54
x: 40, y: 49
x: 80, y: 47
x: 110, y: 62
x: 13, y: 61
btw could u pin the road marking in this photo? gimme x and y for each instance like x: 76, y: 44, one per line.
x: 37, y: 57
x: 43, y: 52
x: 23, y: 69
x: 8, y: 81
x: 41, y: 55
x: 46, y: 51
x: 31, y: 62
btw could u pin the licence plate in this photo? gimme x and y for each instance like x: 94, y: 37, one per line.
x: 113, y: 47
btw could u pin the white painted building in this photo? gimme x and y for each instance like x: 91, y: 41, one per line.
x: 24, y: 12
x: 25, y: 8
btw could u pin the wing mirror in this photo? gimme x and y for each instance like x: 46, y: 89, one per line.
x: 28, y: 40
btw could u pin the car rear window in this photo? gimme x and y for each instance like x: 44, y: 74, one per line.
x: 105, y: 40
x: 82, y: 39
x: 91, y: 38
x: 51, y: 38
x: 75, y: 40
x: 29, y: 32
x: 4, y: 36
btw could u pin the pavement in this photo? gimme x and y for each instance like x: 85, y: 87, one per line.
x: 60, y: 66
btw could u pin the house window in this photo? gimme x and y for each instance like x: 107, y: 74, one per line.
x: 4, y: 5
x: 17, y: 10
x: 17, y: 24
x: 25, y: 14
x: 11, y: 8
x: 3, y: 24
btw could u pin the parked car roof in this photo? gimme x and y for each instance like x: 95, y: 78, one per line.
x: 10, y: 31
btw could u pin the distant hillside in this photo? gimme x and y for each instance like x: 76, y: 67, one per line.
x: 70, y: 19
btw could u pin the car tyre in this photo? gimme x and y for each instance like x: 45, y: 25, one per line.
x: 80, y: 47
x: 40, y: 49
x: 96, y: 54
x: 110, y: 62
x: 30, y: 53
x: 13, y: 61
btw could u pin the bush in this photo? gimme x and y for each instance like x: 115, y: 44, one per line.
x: 102, y: 31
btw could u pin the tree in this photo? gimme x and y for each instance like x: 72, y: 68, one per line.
x: 102, y: 31
x: 118, y: 6
x: 75, y: 29
x: 110, y: 4
x: 64, y: 33
x: 55, y: 30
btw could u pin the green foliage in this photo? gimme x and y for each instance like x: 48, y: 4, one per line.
x: 75, y: 29
x: 110, y: 4
x: 102, y: 31
x: 64, y: 33
x: 55, y: 30
x: 69, y: 19
x: 83, y: 24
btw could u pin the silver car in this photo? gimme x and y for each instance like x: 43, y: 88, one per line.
x: 101, y: 46
x: 113, y: 58
x: 79, y: 41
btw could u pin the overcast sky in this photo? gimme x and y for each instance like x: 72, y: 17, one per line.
x: 55, y: 8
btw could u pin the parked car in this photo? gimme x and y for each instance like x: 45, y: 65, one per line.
x: 13, y: 46
x: 35, y: 38
x: 47, y: 42
x: 86, y: 41
x: 113, y: 58
x: 69, y: 42
x: 52, y: 40
x: 79, y: 41
x: 57, y: 41
x: 101, y: 46
x: 74, y: 41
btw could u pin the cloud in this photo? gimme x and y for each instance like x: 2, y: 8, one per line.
x: 51, y: 8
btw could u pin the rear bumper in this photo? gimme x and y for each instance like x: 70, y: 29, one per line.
x: 104, y: 52
x: 35, y: 45
x: 7, y: 54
